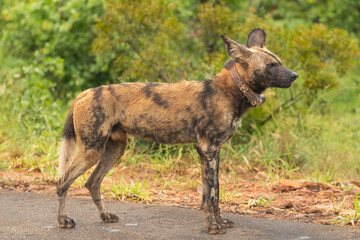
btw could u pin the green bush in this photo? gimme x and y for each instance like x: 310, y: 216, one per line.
x: 54, y: 37
x: 142, y: 39
x: 343, y: 14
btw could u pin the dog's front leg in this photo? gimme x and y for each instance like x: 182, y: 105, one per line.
x: 210, y: 178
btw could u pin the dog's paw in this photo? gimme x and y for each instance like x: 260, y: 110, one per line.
x: 66, y: 222
x: 109, y: 217
x: 215, y: 228
x: 227, y: 223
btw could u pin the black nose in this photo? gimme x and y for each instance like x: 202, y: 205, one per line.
x: 294, y: 76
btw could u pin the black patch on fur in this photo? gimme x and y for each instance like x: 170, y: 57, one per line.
x: 149, y: 120
x: 148, y: 89
x: 185, y: 124
x: 260, y: 81
x: 206, y: 94
x: 216, y: 137
x: 211, y: 183
x: 69, y: 131
x: 143, y: 115
x: 188, y: 109
x: 97, y: 109
x: 112, y: 92
x: 196, y: 120
x: 61, y: 190
x: 157, y: 99
x: 98, y: 94
x: 97, y: 139
x: 244, y: 65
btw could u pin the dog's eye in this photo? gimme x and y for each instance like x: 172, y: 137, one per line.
x: 272, y: 64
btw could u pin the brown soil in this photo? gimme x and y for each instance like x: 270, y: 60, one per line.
x: 293, y: 200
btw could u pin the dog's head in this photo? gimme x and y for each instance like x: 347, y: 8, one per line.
x: 263, y: 68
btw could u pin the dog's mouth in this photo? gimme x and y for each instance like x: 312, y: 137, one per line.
x: 289, y: 84
x: 292, y: 81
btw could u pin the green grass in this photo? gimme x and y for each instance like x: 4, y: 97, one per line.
x: 261, y: 201
x: 352, y: 218
x: 136, y: 190
x: 228, y: 196
x: 29, y: 127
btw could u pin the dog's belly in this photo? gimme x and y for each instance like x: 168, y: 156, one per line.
x: 165, y: 136
x: 161, y: 131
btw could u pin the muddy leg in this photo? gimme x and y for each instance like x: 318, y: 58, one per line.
x: 209, y: 162
x: 113, y: 151
x: 224, y: 222
x: 81, y: 163
x: 203, y: 201
x: 210, y: 178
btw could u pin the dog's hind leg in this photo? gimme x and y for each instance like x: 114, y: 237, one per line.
x: 114, y: 149
x: 83, y: 160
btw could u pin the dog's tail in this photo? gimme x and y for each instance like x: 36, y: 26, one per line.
x: 68, y: 143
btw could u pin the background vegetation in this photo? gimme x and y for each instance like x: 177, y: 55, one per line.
x: 50, y: 50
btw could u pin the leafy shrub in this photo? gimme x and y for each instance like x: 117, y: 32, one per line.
x: 144, y: 39
x: 54, y: 37
x: 344, y: 14
x: 324, y: 55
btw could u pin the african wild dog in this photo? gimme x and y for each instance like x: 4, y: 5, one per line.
x: 205, y: 113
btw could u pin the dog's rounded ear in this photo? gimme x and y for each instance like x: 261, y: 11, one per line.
x: 236, y: 50
x: 257, y: 38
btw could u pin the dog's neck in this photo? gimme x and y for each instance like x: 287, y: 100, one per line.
x: 255, y: 99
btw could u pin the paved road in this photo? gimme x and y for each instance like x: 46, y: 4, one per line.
x: 33, y: 216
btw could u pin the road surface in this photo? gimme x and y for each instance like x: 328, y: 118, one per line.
x: 33, y: 216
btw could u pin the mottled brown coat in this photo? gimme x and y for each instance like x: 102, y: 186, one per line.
x: 206, y: 113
